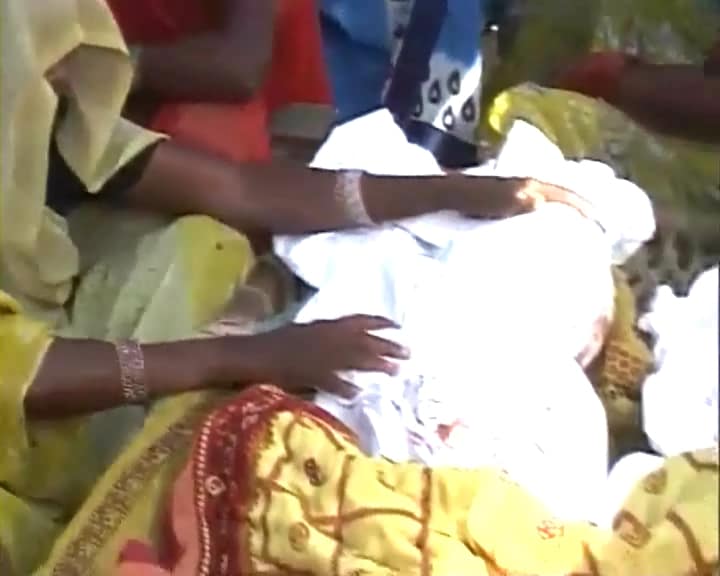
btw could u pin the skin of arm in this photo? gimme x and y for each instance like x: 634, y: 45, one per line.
x: 82, y: 376
x: 681, y: 101
x: 227, y: 64
x: 288, y: 198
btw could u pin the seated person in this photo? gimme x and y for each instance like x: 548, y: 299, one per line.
x: 691, y: 109
x: 212, y: 72
x: 427, y: 70
x: 114, y: 256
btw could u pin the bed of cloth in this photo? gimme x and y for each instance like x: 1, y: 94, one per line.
x: 492, y: 311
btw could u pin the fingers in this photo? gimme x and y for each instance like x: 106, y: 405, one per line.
x: 372, y: 363
x: 531, y: 194
x: 387, y: 348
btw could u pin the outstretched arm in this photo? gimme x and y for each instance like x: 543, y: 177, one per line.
x: 681, y: 101
x: 287, y: 198
x: 227, y: 63
x: 84, y: 376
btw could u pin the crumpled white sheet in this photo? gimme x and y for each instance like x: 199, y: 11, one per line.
x: 625, y: 475
x: 680, y: 400
x: 493, y: 312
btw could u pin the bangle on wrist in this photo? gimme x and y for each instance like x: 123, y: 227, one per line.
x: 349, y: 194
x: 132, y: 372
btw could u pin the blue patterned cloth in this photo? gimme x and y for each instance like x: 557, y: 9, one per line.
x: 364, y: 38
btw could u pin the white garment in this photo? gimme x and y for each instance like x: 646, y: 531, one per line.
x: 494, y: 314
x: 680, y: 400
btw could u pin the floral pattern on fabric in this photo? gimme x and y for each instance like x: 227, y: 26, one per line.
x: 276, y: 486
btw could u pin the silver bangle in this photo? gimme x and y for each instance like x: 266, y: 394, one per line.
x: 348, y: 193
x: 132, y: 371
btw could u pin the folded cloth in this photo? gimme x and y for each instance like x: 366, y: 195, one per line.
x: 680, y: 400
x: 494, y: 312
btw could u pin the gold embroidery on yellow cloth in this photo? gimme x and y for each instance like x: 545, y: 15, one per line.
x: 102, y: 520
x: 374, y: 517
x: 624, y: 362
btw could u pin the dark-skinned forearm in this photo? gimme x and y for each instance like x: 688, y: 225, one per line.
x: 281, y: 198
x: 677, y: 100
x: 83, y: 376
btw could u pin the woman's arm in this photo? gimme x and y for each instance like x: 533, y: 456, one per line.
x: 286, y: 198
x: 681, y: 101
x: 84, y: 376
x: 221, y: 65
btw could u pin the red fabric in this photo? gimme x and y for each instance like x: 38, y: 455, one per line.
x: 138, y: 553
x: 159, y: 21
x: 206, y: 519
x: 597, y: 75
x: 238, y: 132
x: 298, y: 72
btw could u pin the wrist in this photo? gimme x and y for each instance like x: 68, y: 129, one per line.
x: 184, y: 366
x: 234, y: 360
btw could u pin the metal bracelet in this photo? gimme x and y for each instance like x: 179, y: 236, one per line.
x: 348, y: 193
x: 132, y: 371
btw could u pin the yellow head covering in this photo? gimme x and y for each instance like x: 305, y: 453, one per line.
x: 37, y: 258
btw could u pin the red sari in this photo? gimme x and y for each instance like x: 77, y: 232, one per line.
x: 236, y: 131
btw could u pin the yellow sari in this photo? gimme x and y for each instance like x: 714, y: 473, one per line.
x: 97, y: 274
x: 276, y: 486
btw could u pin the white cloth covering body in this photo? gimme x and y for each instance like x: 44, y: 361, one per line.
x: 494, y: 313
